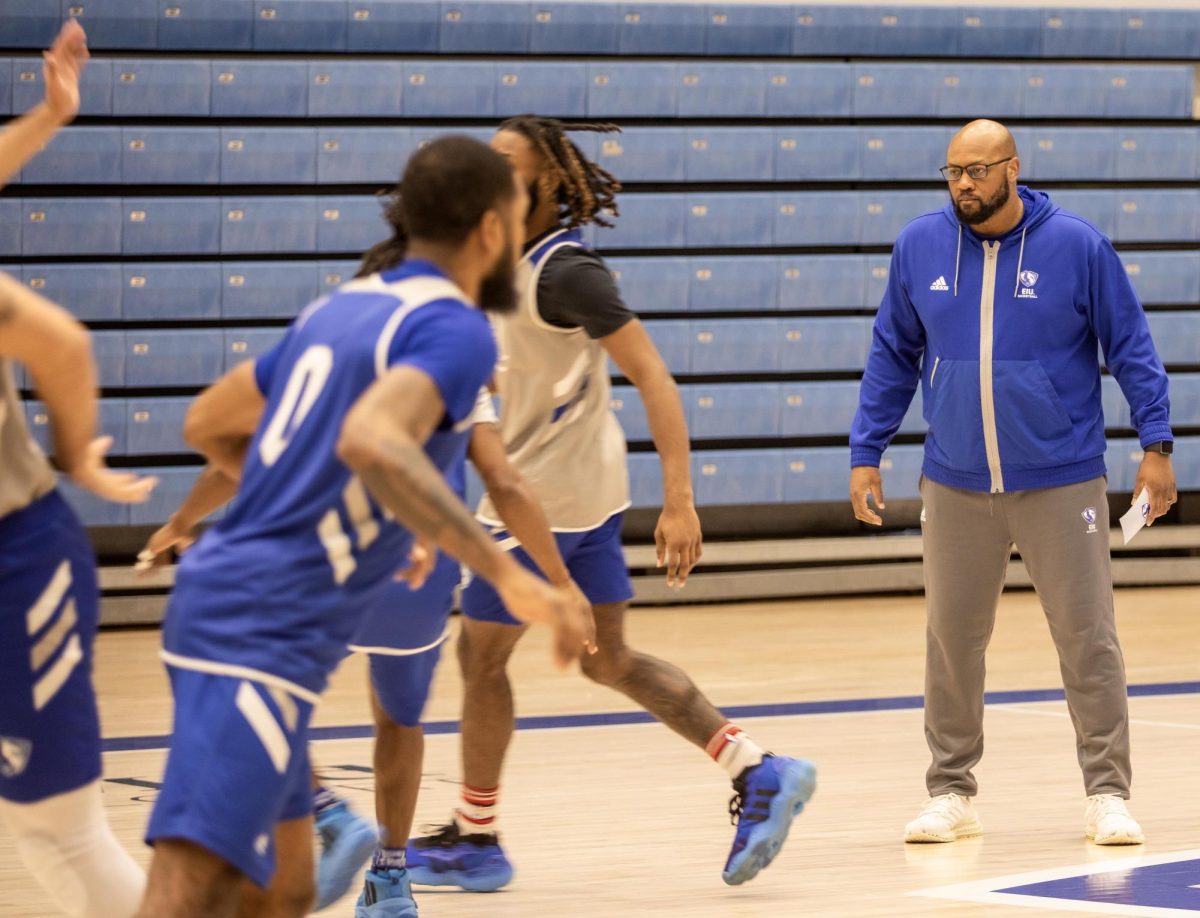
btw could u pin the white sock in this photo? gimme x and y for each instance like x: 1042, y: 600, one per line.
x: 733, y: 750
x: 477, y: 813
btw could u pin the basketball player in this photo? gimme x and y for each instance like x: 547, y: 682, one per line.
x: 49, y: 729
x: 561, y: 435
x: 365, y: 397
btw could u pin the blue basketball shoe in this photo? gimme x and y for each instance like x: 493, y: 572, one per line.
x: 347, y: 842
x: 386, y: 895
x: 766, y: 798
x: 474, y: 862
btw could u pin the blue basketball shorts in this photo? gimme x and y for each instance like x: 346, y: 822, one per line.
x: 49, y: 729
x: 593, y: 558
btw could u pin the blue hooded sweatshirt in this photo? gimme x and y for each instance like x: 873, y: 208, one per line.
x: 1003, y: 336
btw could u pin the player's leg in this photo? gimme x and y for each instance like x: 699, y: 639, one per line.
x: 188, y: 881
x: 347, y: 841
x: 49, y: 730
x: 291, y: 893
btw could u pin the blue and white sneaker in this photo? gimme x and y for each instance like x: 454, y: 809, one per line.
x: 475, y: 862
x: 766, y: 798
x: 386, y: 895
x: 347, y: 843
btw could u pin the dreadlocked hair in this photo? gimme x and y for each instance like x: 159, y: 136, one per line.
x: 389, y: 253
x: 586, y: 191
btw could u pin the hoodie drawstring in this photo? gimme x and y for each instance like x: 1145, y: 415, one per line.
x: 958, y: 259
x: 1020, y: 259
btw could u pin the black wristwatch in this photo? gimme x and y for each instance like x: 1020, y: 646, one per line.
x: 1166, y: 447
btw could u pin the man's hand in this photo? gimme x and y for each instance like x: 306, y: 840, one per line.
x: 92, y: 473
x: 173, y: 535
x: 422, y: 559
x: 677, y: 540
x: 1157, y: 476
x: 531, y: 599
x: 865, y: 480
x: 62, y: 66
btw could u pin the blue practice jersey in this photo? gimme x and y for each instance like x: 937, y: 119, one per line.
x: 278, y: 587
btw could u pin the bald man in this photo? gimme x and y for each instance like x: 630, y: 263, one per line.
x: 996, y: 305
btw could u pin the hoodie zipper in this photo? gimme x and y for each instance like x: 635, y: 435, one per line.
x: 933, y: 375
x: 987, y: 397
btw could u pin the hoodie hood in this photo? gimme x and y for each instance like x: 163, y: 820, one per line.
x: 1038, y: 209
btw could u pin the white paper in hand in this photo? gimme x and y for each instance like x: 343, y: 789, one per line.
x: 1136, y: 516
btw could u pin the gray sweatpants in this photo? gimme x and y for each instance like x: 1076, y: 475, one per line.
x: 1062, y: 535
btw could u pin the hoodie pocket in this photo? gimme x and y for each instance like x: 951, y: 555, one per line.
x: 1032, y: 426
x: 955, y: 417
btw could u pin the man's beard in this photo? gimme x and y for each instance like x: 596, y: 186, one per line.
x: 987, y: 209
x: 498, y: 292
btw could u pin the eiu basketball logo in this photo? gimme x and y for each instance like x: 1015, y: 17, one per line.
x: 1028, y: 280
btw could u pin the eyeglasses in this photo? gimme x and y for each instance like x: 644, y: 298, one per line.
x: 977, y: 171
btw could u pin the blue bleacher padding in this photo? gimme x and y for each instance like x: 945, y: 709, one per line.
x: 174, y: 483
x: 914, y: 31
x: 655, y: 28
x: 189, y: 357
x: 162, y: 87
x: 816, y: 409
x: 1073, y: 154
x: 92, y: 510
x: 1157, y: 215
x: 735, y: 345
x: 575, y: 28
x: 822, y: 282
x: 1121, y: 458
x: 206, y: 25
x: 817, y: 475
x: 805, y: 154
x: 1082, y: 32
x: 673, y: 339
x: 348, y: 155
x: 733, y: 284
x: 300, y: 25
x: 155, y: 426
x: 733, y: 220
x: 627, y: 405
x: 1065, y: 90
x: 734, y: 410
x: 647, y: 221
x: 899, y: 153
x: 902, y: 467
x: 729, y: 155
x: 28, y: 25
x: 267, y: 289
x: 709, y: 90
x: 631, y: 90
x: 1097, y: 207
x: 372, y: 89
x: 91, y: 292
x: 545, y: 88
x: 1149, y: 91
x: 1185, y: 399
x: 645, y: 154
x: 1164, y: 277
x: 645, y: 480
x: 168, y: 226
x: 77, y: 156
x: 1112, y: 400
x: 171, y: 291
x: 812, y: 345
x: 71, y: 226
x: 825, y: 218
x: 350, y: 224
x: 738, y: 476
x: 95, y: 86
x: 249, y: 89
x: 652, y: 284
x: 123, y: 24
x: 261, y: 224
x: 268, y: 156
x: 109, y: 350
x: 736, y: 29
x: 891, y: 90
x: 877, y: 278
x: 885, y: 213
x: 242, y: 344
x: 999, y: 31
x: 12, y: 220
x: 1162, y: 33
x: 110, y: 421
x: 803, y: 90
x: 440, y: 89
x: 394, y: 26
x: 171, y: 156
x: 1155, y: 153
x: 6, y: 90
x: 480, y: 26
x: 1175, y: 337
x: 332, y: 274
x: 967, y: 90
x: 821, y: 30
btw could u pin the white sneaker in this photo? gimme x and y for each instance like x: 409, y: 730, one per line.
x: 1109, y: 822
x: 945, y: 818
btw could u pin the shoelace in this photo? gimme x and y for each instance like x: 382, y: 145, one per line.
x: 1109, y: 805
x: 759, y: 805
x: 942, y: 805
x: 439, y: 836
x: 736, y: 801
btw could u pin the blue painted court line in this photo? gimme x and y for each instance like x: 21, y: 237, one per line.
x: 737, y: 712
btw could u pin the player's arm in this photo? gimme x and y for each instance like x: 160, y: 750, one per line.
x: 677, y: 535
x: 222, y: 420
x: 211, y: 490
x: 22, y: 138
x: 57, y: 351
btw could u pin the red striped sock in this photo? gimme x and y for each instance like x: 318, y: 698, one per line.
x: 477, y: 814
x: 733, y: 750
